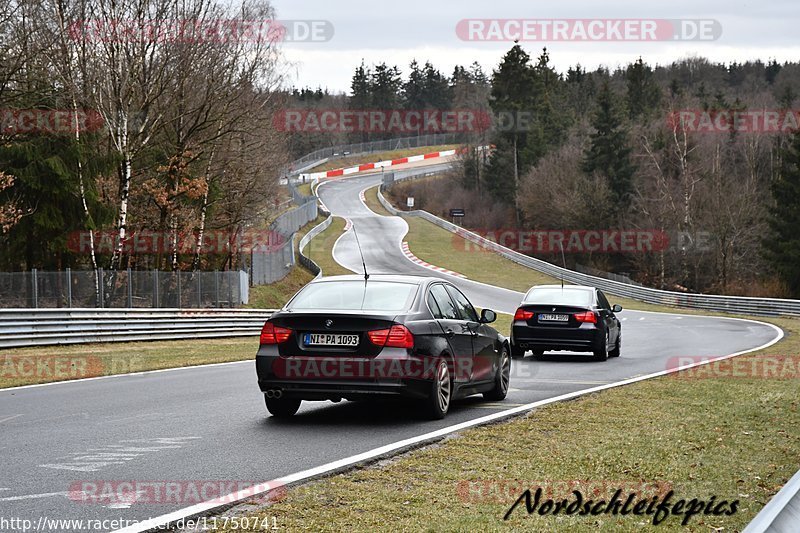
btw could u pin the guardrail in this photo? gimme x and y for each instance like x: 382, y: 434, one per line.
x: 304, y: 259
x: 746, y: 305
x: 43, y: 327
x: 782, y: 512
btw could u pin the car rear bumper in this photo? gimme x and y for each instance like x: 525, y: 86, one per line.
x: 399, y: 377
x: 583, y: 339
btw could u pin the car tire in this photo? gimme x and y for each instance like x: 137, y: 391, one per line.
x: 601, y: 352
x: 282, y: 407
x: 501, y: 379
x: 438, y: 402
x: 617, y: 347
x: 517, y: 353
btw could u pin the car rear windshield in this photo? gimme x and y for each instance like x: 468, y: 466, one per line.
x: 559, y: 296
x: 355, y: 295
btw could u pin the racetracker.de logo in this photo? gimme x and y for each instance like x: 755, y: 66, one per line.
x: 572, y: 241
x: 502, y: 491
x: 588, y: 30
x: 189, y: 31
x: 51, y: 366
x: 49, y: 121
x: 755, y: 367
x: 171, y: 492
x: 396, y: 121
x: 735, y: 120
x: 158, y: 242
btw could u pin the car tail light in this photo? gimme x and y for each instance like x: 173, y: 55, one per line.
x: 395, y: 337
x: 272, y: 334
x: 523, y: 314
x: 588, y: 316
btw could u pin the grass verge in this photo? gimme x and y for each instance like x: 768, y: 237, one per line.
x: 274, y: 295
x: 380, y: 156
x: 320, y: 249
x: 27, y: 366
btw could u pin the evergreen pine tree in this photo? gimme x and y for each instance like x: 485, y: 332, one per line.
x: 608, y: 153
x: 782, y: 249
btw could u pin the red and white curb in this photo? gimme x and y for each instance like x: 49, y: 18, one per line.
x: 347, y: 225
x: 414, y: 259
x: 380, y: 164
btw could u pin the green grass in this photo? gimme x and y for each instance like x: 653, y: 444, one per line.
x: 371, y: 199
x: 320, y: 249
x: 374, y: 157
x: 274, y: 295
x: 59, y: 363
x: 305, y: 188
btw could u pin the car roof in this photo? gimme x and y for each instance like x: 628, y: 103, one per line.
x: 416, y: 280
x: 581, y: 287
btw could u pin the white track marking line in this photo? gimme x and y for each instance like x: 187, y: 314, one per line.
x: 348, y: 462
x: 6, y: 419
x: 33, y: 496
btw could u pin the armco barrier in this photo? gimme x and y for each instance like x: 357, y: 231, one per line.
x: 305, y: 260
x: 42, y: 327
x: 743, y: 305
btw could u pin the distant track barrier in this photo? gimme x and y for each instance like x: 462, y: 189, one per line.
x: 43, y: 327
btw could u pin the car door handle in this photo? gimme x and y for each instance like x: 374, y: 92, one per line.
x: 449, y: 332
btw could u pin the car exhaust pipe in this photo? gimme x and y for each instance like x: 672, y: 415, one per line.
x: 274, y: 393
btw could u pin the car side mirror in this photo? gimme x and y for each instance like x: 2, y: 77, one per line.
x: 616, y: 308
x: 488, y: 316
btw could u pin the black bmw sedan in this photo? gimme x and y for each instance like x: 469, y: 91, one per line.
x: 344, y: 337
x: 570, y: 317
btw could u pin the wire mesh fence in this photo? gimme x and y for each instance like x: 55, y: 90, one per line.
x: 122, y: 289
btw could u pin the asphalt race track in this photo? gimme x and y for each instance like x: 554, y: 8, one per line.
x: 209, y: 423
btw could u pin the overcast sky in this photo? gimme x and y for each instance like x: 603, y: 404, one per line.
x: 398, y: 31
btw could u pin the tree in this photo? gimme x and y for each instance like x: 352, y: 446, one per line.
x: 782, y: 249
x: 643, y: 93
x: 512, y: 94
x: 360, y: 87
x: 414, y: 88
x: 609, y: 153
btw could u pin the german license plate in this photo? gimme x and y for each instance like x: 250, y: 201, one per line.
x: 329, y: 339
x: 553, y: 318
